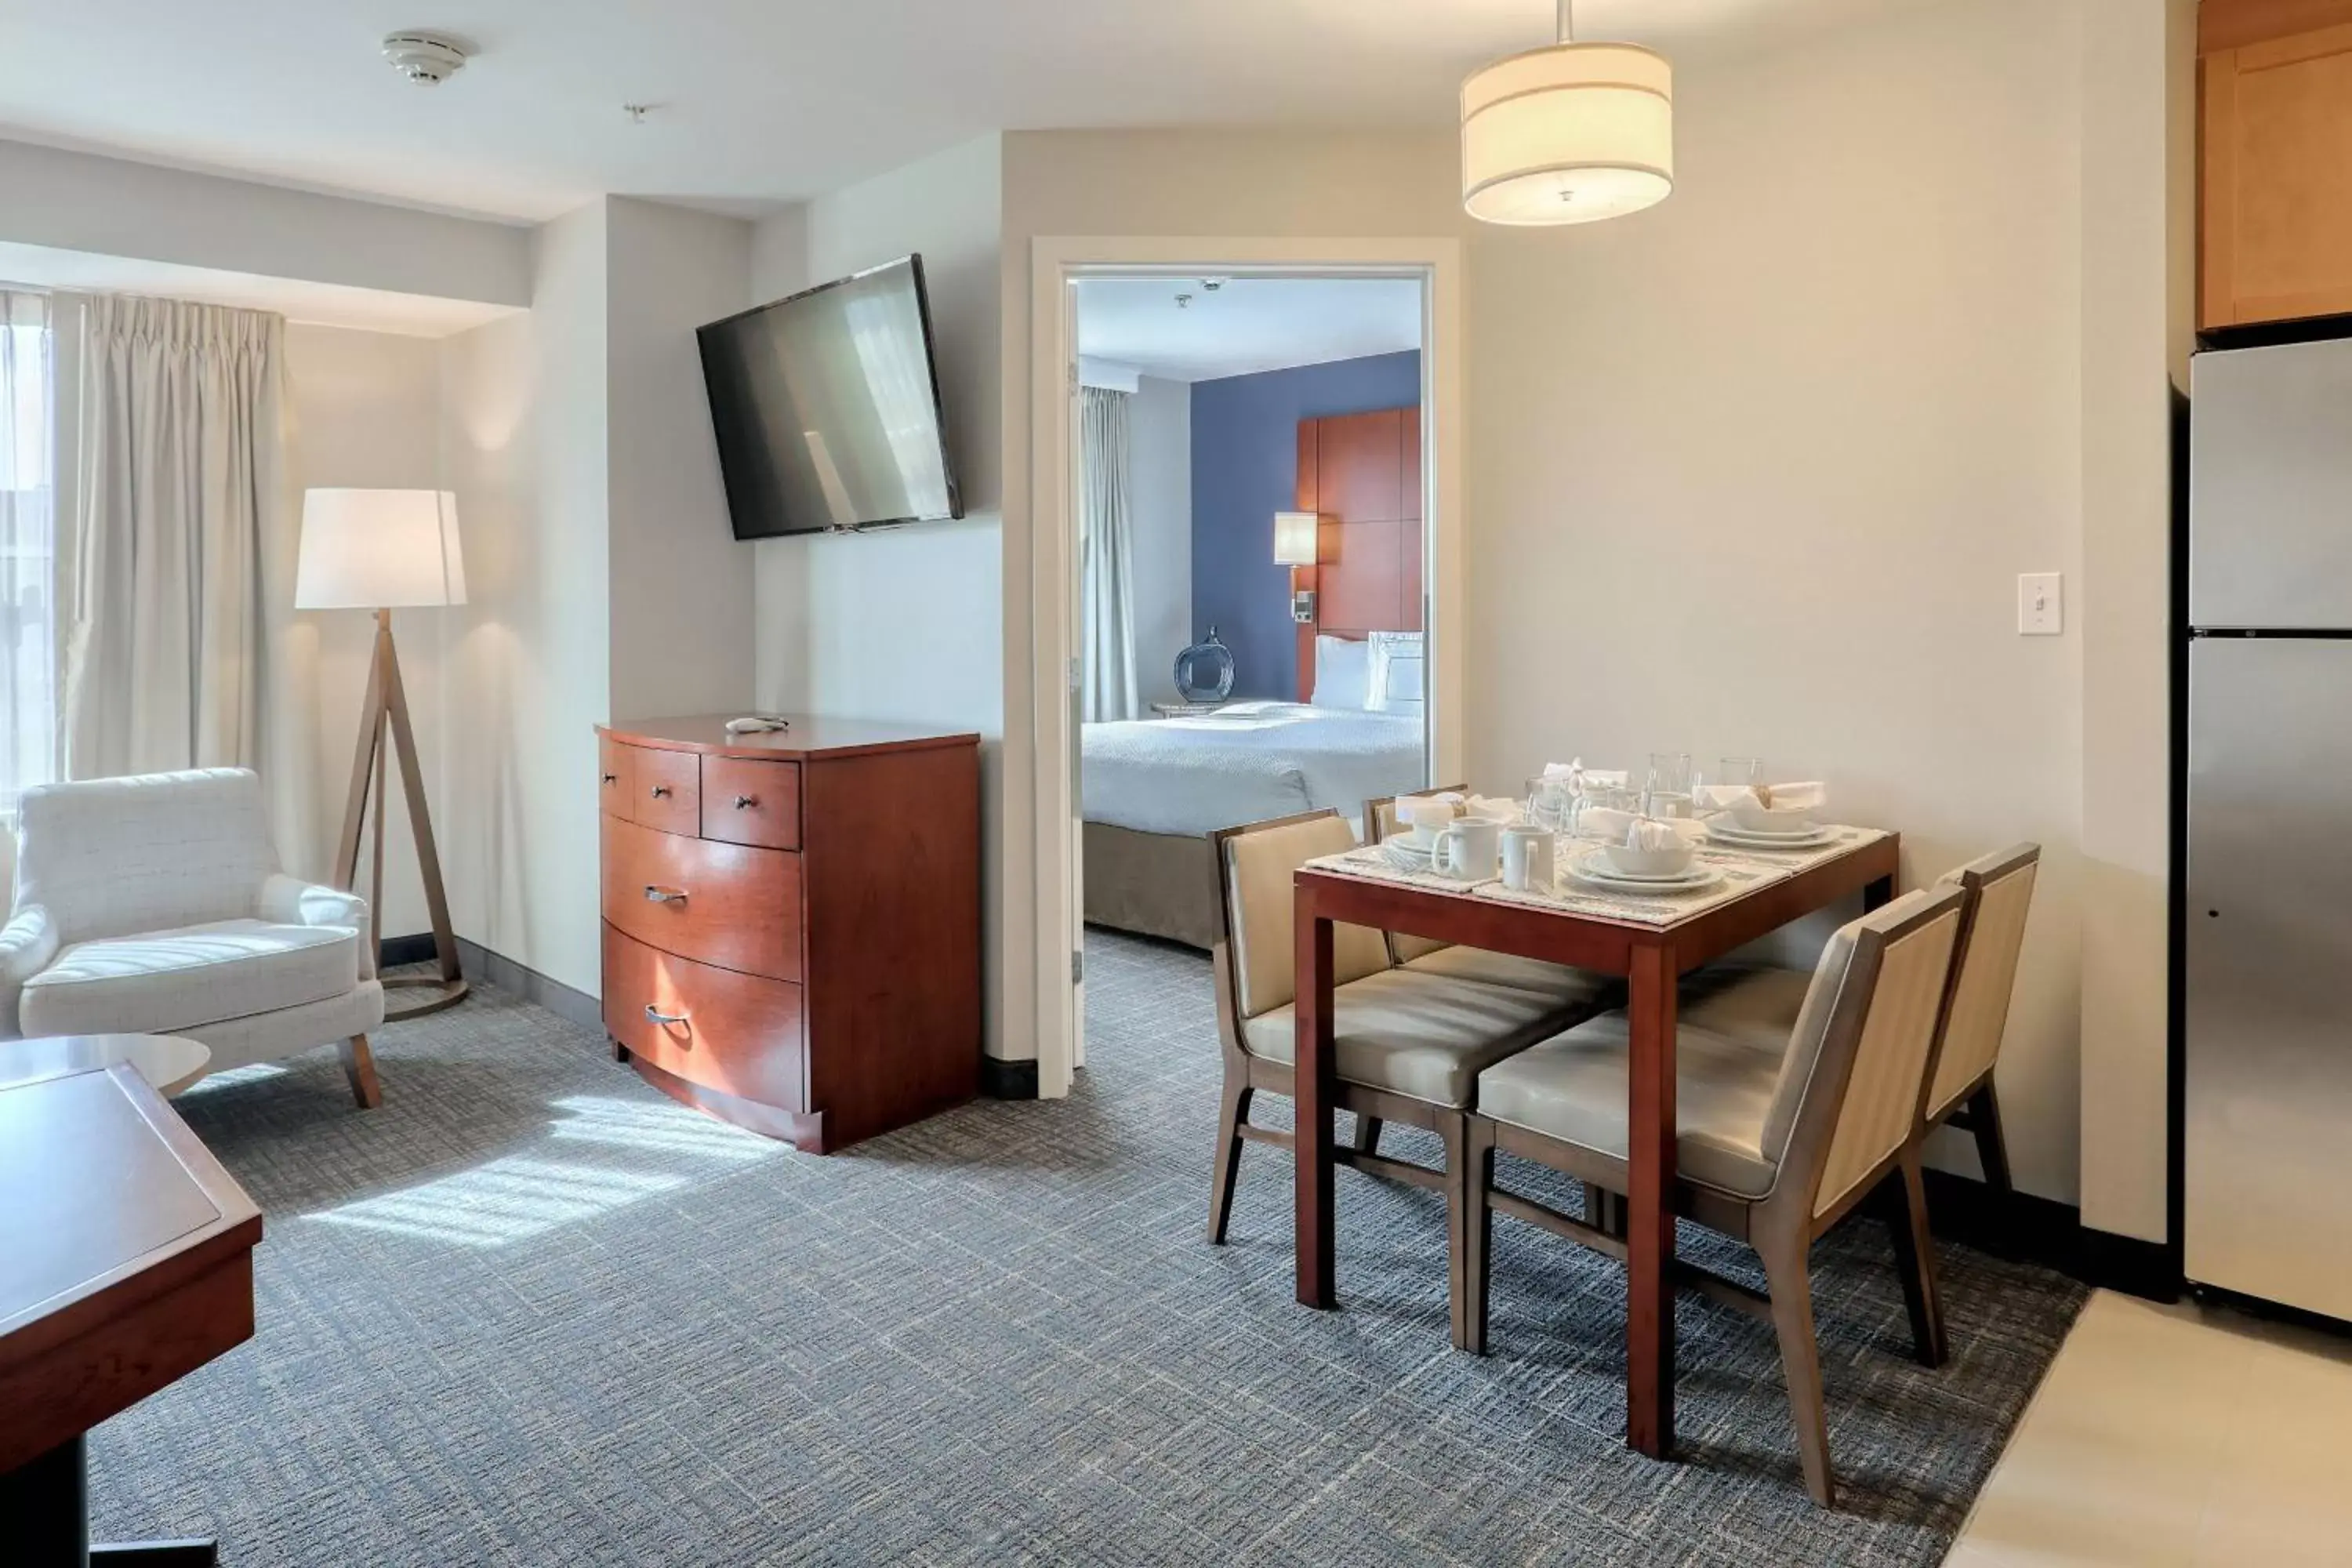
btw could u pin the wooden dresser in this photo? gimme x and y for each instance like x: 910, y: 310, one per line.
x: 791, y: 920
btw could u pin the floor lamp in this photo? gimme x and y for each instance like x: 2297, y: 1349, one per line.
x: 383, y: 550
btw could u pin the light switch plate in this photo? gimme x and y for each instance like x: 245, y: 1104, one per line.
x: 2041, y: 604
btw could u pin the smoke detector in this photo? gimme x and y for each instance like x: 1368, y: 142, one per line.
x: 425, y: 57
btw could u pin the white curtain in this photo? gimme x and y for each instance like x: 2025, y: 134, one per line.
x: 179, y: 500
x: 28, y: 628
x: 1106, y: 558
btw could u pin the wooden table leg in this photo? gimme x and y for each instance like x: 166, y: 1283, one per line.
x: 1313, y: 1087
x: 1650, y: 1237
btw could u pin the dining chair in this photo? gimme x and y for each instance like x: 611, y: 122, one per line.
x: 1772, y: 1146
x: 1408, y: 1045
x: 1998, y: 891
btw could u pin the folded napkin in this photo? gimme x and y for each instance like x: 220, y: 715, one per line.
x: 1576, y: 773
x: 1492, y: 808
x: 1810, y: 796
x: 1613, y: 827
x: 1723, y: 797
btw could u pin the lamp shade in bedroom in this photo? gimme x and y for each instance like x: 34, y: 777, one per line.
x: 1293, y: 537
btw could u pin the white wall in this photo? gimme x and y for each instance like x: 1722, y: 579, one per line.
x: 1159, y: 476
x: 114, y: 206
x: 526, y: 665
x: 905, y: 624
x: 682, y: 596
x: 364, y: 411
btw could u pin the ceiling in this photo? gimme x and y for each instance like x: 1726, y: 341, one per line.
x: 757, y: 103
x: 1245, y: 324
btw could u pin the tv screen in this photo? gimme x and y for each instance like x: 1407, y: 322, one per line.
x: 826, y: 407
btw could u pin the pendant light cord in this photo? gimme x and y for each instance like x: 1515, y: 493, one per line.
x: 1567, y: 21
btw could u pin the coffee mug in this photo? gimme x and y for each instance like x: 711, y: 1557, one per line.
x: 1424, y: 817
x: 1528, y: 864
x: 1467, y: 849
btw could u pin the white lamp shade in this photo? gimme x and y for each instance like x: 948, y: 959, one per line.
x: 378, y: 550
x: 1568, y: 133
x: 1293, y: 537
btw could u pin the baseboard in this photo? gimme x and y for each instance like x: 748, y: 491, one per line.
x: 2044, y: 1231
x: 1001, y: 1080
x: 395, y: 951
x: 497, y: 969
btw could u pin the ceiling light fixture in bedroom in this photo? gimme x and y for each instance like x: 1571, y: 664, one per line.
x: 1568, y: 133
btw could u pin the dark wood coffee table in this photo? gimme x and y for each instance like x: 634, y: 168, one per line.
x: 126, y: 1262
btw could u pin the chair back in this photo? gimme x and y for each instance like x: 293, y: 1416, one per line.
x: 1999, y: 890
x: 1254, y: 903
x: 1857, y: 1065
x: 1380, y: 821
x: 117, y: 857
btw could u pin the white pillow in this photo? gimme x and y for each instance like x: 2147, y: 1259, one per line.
x: 1397, y: 673
x: 1343, y: 673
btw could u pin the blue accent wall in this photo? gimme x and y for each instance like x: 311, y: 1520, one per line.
x: 1244, y: 470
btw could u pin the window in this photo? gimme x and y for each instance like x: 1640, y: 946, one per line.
x: 28, y: 623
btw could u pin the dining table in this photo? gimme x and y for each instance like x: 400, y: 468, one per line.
x: 1651, y: 941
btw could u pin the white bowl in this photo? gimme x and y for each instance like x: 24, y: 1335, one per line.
x: 1667, y: 862
x: 1757, y: 817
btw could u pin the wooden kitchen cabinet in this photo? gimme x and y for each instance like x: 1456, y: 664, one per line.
x: 2276, y: 206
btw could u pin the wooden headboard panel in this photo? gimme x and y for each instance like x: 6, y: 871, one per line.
x: 1360, y: 474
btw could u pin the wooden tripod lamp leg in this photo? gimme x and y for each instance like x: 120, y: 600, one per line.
x: 383, y: 718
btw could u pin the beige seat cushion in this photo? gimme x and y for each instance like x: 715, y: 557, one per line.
x: 1556, y: 982
x: 1573, y: 1088
x: 169, y: 980
x: 1420, y: 1035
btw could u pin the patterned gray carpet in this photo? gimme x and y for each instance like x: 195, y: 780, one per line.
x: 531, y: 1312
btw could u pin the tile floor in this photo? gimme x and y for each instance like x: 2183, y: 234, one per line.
x: 2175, y: 1435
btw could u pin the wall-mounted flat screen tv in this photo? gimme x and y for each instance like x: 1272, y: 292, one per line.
x: 826, y: 407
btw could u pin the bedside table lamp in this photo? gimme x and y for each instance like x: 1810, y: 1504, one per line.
x: 383, y: 550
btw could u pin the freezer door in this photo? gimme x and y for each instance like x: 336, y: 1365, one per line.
x: 2270, y: 452
x: 2268, y: 1161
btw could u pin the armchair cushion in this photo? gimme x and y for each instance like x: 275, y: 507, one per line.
x: 161, y: 981
x: 28, y: 943
x: 112, y: 857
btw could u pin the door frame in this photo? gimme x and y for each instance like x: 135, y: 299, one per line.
x: 1056, y: 263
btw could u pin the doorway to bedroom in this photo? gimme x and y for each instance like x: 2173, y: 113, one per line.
x: 1253, y: 584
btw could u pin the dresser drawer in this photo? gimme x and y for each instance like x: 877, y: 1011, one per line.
x: 616, y: 775
x: 726, y: 904
x: 666, y: 789
x: 751, y: 803
x: 738, y: 1034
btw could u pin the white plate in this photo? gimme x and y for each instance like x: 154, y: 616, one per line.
x: 1748, y: 838
x: 1594, y: 870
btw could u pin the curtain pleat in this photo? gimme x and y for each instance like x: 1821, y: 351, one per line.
x: 182, y: 469
x: 1106, y: 558
x: 28, y: 627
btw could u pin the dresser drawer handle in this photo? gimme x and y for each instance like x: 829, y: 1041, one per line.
x: 661, y: 792
x: 612, y: 778
x: 655, y: 895
x: 746, y: 802
x: 653, y: 1016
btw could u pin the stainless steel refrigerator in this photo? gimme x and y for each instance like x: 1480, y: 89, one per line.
x: 2267, y: 1159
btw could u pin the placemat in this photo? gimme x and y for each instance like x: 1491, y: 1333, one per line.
x: 1367, y: 861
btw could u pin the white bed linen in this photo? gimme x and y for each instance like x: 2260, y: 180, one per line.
x: 1246, y: 762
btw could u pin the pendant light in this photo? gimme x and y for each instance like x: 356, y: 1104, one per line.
x: 1568, y: 133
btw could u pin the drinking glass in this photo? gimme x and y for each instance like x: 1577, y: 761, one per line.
x: 1669, y: 790
x: 1741, y: 771
x: 1549, y: 806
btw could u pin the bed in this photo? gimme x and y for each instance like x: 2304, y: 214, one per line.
x: 1153, y: 791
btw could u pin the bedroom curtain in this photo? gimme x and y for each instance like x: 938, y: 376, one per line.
x: 28, y: 628
x: 179, y: 493
x: 1106, y: 558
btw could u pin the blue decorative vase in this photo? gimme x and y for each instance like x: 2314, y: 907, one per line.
x: 1204, y: 672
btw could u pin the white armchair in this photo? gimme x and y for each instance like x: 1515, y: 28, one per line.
x: 154, y: 905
